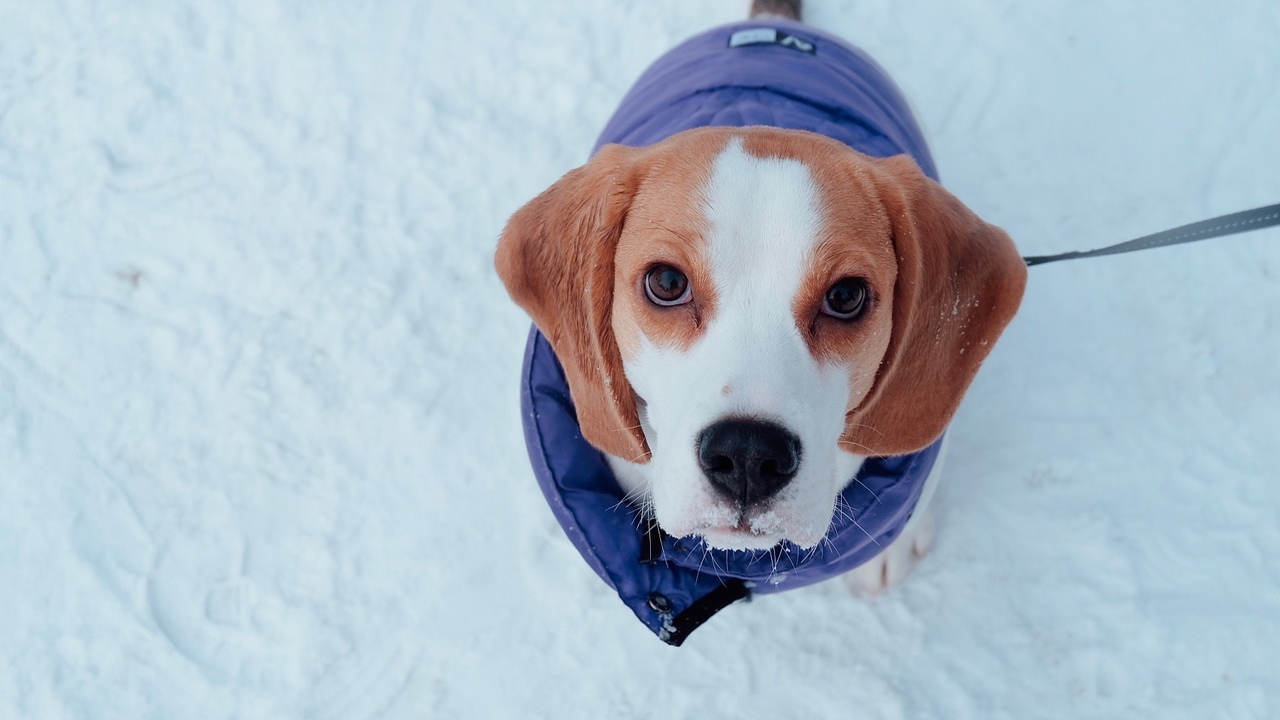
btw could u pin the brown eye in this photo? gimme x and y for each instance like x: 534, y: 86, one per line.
x: 666, y: 286
x: 847, y: 299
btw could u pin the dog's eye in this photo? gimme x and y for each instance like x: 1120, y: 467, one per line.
x: 847, y: 299
x: 666, y: 286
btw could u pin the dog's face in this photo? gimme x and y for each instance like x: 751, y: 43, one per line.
x: 750, y: 322
x: 742, y: 311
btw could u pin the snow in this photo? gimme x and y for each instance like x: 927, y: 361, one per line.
x: 260, y: 452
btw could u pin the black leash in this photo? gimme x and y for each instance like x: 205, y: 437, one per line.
x: 1245, y: 221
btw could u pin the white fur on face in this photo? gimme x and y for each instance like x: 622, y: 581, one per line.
x: 764, y: 219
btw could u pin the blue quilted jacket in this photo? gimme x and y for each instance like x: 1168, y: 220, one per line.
x: 773, y: 73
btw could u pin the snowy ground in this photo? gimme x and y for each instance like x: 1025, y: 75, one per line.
x: 260, y: 453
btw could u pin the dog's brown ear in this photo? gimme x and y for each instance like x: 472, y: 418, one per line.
x: 556, y: 258
x: 959, y: 284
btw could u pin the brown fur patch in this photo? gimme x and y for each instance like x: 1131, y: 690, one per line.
x: 856, y: 241
x: 666, y: 225
x: 959, y: 284
x: 556, y: 257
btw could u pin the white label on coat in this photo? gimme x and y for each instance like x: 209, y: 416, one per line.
x: 758, y: 36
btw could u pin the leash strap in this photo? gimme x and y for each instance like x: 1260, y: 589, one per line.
x: 1244, y: 221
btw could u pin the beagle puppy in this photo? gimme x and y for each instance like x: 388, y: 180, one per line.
x: 745, y: 315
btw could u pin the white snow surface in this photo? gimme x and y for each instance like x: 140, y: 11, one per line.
x: 260, y: 446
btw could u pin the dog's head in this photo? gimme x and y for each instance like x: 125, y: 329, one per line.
x: 740, y: 308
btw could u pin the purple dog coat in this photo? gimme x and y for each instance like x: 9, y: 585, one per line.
x: 775, y: 73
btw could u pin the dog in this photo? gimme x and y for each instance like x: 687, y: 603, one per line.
x: 755, y: 313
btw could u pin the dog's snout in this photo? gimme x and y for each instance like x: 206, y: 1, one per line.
x: 748, y: 460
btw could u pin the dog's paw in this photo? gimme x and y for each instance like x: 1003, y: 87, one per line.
x: 896, y: 561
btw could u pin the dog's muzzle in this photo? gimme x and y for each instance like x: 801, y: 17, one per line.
x: 748, y: 461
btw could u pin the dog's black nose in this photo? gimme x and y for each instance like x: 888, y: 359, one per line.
x: 747, y: 460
